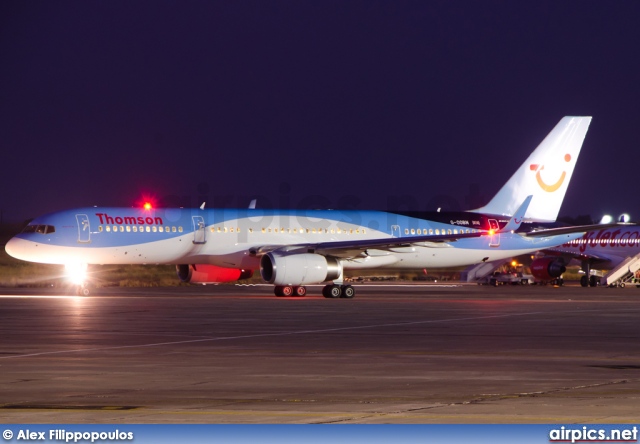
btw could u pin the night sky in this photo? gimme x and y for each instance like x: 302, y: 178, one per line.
x: 345, y: 104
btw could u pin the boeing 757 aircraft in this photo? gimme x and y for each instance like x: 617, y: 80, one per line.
x: 294, y: 248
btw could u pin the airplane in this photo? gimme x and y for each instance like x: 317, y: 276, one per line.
x: 616, y: 249
x: 295, y: 248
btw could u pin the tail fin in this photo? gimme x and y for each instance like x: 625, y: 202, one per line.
x: 545, y: 174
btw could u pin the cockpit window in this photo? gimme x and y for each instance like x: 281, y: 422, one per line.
x: 42, y: 229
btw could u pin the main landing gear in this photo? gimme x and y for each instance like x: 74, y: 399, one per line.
x: 591, y: 281
x: 289, y: 290
x: 338, y: 291
x: 331, y: 291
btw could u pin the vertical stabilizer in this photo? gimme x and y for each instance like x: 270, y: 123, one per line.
x: 545, y: 175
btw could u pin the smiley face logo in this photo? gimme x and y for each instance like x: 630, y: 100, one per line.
x: 554, y: 186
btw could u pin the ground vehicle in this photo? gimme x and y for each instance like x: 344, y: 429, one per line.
x: 501, y: 278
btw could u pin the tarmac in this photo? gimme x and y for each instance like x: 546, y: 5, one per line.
x: 435, y: 353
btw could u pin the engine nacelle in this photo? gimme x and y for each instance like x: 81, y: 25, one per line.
x: 210, y: 274
x: 299, y: 269
x: 547, y: 268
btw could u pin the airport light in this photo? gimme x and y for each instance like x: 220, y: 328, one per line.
x: 606, y: 219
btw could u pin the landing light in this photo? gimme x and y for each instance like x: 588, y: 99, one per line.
x: 76, y: 273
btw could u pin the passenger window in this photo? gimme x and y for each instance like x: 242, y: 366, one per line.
x: 437, y: 232
x: 413, y: 231
x: 115, y: 228
x: 180, y: 229
x: 135, y: 228
x: 108, y: 228
x: 155, y: 229
x: 147, y: 229
x: 100, y: 228
x: 406, y: 231
x: 128, y: 229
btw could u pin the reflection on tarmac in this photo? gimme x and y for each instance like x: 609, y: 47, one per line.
x: 394, y: 354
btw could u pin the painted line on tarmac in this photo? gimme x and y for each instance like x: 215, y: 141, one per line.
x: 285, y: 333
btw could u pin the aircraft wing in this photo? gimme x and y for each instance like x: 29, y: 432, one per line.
x: 353, y: 247
x: 574, y: 229
x: 580, y: 256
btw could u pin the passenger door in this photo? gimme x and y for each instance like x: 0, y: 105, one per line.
x: 199, y: 233
x: 84, y: 229
x: 495, y: 238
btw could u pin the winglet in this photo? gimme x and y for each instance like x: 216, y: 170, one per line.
x: 252, y: 204
x: 518, y: 216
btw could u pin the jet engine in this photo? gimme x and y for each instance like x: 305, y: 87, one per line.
x: 210, y: 274
x: 299, y: 269
x: 547, y: 268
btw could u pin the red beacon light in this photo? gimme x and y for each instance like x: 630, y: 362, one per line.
x: 147, y: 205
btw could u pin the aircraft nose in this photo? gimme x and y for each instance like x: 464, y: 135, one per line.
x: 16, y: 248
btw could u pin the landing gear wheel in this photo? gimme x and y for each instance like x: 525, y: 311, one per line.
x: 348, y: 291
x: 584, y: 281
x: 300, y: 291
x: 593, y: 281
x: 622, y: 284
x: 283, y: 290
x: 82, y: 290
x: 332, y: 291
